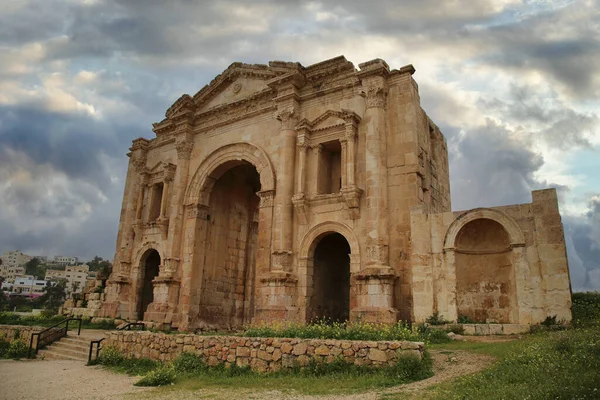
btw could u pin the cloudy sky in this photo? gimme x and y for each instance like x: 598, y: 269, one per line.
x: 514, y: 85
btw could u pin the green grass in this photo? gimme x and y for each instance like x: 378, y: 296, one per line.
x: 8, y: 318
x: 549, y: 365
x: 189, y: 372
x: 323, y: 329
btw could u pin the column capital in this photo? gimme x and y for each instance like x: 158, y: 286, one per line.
x: 375, y: 95
x: 288, y: 118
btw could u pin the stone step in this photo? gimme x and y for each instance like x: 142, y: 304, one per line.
x: 78, y: 341
x: 57, y: 354
x: 75, y: 346
x: 78, y: 353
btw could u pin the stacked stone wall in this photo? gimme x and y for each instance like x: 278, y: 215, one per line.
x: 7, y: 332
x: 261, y: 354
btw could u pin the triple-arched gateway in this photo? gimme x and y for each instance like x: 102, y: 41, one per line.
x: 285, y: 192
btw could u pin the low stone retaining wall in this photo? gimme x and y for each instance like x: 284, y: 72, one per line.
x: 7, y: 332
x: 495, y: 329
x: 487, y: 329
x: 261, y: 354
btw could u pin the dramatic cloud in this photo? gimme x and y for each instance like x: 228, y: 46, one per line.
x: 514, y: 86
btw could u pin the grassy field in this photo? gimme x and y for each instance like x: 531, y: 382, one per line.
x: 553, y: 363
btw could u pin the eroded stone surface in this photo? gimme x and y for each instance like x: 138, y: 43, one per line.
x: 285, y: 193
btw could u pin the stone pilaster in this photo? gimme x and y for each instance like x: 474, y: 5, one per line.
x: 374, y: 284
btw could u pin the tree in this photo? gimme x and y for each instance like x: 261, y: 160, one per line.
x: 102, y: 266
x: 31, y: 266
x: 74, y: 286
x: 54, y: 294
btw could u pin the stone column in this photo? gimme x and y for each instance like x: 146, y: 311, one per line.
x: 375, y: 282
x: 350, y: 191
x: 282, y: 229
x: 118, y: 291
x: 301, y: 205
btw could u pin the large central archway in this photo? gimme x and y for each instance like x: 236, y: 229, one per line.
x: 230, y: 248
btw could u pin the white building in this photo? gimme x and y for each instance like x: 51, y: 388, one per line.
x: 26, y: 285
x: 65, y: 260
x: 14, y: 258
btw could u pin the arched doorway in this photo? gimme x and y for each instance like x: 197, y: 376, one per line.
x: 331, y: 279
x: 485, y: 282
x: 228, y: 277
x: 150, y: 268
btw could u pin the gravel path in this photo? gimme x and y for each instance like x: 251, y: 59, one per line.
x: 61, y: 379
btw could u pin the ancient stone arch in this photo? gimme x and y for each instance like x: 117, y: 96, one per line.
x: 512, y: 228
x: 486, y: 278
x: 310, y: 241
x: 141, y: 252
x: 222, y: 159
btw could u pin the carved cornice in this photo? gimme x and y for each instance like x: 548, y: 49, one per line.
x: 139, y: 144
x: 266, y: 198
x: 196, y: 211
x: 139, y: 164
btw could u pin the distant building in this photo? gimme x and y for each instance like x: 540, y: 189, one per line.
x: 26, y: 285
x: 14, y: 258
x: 9, y: 273
x: 64, y: 260
x: 72, y: 274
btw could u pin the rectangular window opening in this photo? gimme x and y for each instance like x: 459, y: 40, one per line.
x: 330, y: 168
x: 157, y: 193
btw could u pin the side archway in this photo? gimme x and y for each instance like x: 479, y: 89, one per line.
x: 329, y: 253
x: 223, y: 159
x: 515, y: 233
x: 483, y: 252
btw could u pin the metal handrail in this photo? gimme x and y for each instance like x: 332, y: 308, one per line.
x: 44, y: 339
x: 97, y: 343
x: 126, y: 327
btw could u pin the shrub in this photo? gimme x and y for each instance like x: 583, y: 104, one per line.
x: 412, y: 368
x: 322, y: 329
x: 436, y: 319
x: 159, y: 377
x: 17, y: 349
x: 458, y: 329
x: 465, y: 319
x: 187, y: 363
x: 586, y: 309
x: 110, y: 356
x: 48, y: 313
x: 4, y: 345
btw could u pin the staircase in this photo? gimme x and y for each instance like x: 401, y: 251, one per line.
x: 67, y: 348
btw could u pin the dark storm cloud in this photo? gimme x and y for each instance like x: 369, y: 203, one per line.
x: 70, y: 143
x: 583, y: 247
x: 502, y: 162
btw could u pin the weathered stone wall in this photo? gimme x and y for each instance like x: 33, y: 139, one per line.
x: 7, y: 332
x: 532, y: 277
x: 261, y: 354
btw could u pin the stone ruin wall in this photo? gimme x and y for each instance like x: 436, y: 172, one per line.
x: 498, y: 265
x: 261, y: 354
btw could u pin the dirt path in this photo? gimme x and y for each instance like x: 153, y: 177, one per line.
x: 58, y: 379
